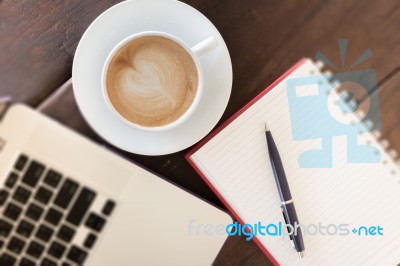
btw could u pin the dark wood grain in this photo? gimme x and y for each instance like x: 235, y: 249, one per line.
x: 38, y: 41
x: 265, y: 37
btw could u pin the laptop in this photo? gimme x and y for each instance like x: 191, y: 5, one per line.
x: 65, y: 200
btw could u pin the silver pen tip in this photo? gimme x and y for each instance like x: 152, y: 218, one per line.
x: 266, y: 127
x: 302, y: 254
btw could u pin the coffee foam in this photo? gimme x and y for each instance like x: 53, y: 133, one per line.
x: 152, y: 81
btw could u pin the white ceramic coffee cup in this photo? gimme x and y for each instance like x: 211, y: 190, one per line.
x: 195, y: 52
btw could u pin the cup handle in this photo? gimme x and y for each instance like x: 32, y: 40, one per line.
x: 205, y: 46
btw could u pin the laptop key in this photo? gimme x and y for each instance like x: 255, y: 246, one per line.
x: 65, y: 264
x: 11, y: 180
x: 3, y: 196
x: 21, y: 195
x: 81, y: 206
x: 44, y: 232
x: 5, y: 228
x: 67, y: 191
x: 34, y: 211
x: 35, y: 249
x: 12, y: 211
x: 52, y: 178
x: 43, y: 195
x: 33, y: 174
x: 47, y: 262
x: 90, y: 240
x: 95, y: 222
x: 25, y: 228
x: 21, y: 162
x: 77, y: 255
x: 66, y: 233
x: 26, y: 262
x: 16, y: 245
x: 53, y: 216
x: 6, y: 259
x: 56, y: 250
x: 108, y: 207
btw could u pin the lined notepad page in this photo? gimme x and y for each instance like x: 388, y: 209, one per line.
x: 236, y: 163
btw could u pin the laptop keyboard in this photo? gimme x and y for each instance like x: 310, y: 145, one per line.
x: 42, y: 211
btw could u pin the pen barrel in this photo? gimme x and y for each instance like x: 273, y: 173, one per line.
x: 293, y: 221
x: 277, y: 167
x: 288, y: 208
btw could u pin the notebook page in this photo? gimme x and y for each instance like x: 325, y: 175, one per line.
x: 236, y: 163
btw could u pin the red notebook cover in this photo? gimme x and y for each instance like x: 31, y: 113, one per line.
x: 222, y: 126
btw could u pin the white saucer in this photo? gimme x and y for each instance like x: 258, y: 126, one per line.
x: 131, y: 17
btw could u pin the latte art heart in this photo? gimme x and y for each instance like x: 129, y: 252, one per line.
x: 152, y: 81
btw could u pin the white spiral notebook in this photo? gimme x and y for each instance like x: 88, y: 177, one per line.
x: 234, y: 162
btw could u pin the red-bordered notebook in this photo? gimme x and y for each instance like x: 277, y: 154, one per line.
x: 234, y: 163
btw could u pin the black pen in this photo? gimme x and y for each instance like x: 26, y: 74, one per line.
x: 289, y: 211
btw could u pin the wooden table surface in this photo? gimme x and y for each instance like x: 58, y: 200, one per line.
x: 265, y: 37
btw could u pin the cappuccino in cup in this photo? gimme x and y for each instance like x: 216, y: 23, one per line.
x: 153, y: 81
